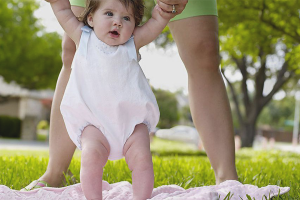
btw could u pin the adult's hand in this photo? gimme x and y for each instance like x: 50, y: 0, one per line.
x: 167, y: 5
x: 50, y: 1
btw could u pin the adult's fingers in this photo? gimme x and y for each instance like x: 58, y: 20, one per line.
x: 164, y: 14
x: 50, y: 1
x: 175, y: 1
x: 167, y: 5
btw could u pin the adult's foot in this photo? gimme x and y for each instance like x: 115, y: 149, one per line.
x: 50, y: 180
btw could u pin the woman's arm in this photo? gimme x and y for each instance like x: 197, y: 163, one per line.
x: 66, y: 18
x: 145, y: 34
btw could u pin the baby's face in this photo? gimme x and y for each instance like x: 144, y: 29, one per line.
x: 113, y: 24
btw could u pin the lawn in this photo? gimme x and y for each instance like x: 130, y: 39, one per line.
x: 174, y: 163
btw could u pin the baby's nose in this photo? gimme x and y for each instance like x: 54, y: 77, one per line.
x: 117, y: 22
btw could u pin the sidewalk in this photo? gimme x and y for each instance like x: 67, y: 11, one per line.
x: 283, y: 146
x: 14, y: 144
x: 287, y: 147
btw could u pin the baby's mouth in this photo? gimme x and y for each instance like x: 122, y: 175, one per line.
x: 115, y: 33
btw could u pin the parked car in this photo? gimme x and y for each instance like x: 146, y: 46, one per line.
x: 181, y: 133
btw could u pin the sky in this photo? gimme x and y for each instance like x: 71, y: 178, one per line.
x: 163, y: 68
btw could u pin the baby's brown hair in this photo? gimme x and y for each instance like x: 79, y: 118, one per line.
x: 92, y: 5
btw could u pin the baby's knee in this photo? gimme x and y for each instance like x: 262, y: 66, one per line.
x: 144, y: 163
x: 141, y: 160
x: 68, y: 51
x: 92, y: 156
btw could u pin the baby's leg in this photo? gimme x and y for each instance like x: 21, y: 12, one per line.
x: 95, y: 151
x: 138, y: 157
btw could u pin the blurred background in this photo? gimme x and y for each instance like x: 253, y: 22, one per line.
x: 259, y: 43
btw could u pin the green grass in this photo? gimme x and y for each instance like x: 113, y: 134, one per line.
x: 185, y: 167
x: 42, y: 137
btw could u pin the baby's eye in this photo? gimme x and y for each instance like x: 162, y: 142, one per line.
x: 126, y: 18
x: 109, y: 13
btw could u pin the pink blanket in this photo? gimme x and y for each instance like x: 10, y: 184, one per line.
x: 123, y: 191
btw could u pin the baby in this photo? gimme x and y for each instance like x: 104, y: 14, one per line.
x: 108, y: 106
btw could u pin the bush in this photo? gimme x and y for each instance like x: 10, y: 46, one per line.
x: 10, y: 127
x: 43, y: 124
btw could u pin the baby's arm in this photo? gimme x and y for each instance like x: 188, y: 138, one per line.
x: 145, y: 34
x: 66, y: 18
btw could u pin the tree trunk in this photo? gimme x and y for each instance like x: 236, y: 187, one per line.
x: 247, y: 133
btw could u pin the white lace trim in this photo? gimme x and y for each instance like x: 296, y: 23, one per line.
x: 105, y: 48
x: 82, y: 128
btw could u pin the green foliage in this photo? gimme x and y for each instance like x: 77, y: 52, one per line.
x: 149, y: 5
x: 277, y: 112
x: 247, y: 27
x: 10, y: 127
x: 165, y: 39
x: 43, y: 125
x: 28, y: 55
x: 185, y: 113
x: 167, y: 102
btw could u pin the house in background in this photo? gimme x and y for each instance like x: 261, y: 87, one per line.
x: 183, y: 107
x: 28, y: 105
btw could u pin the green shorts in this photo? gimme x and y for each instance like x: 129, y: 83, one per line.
x: 193, y: 8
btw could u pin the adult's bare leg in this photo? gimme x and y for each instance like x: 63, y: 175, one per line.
x: 61, y: 148
x: 197, y: 42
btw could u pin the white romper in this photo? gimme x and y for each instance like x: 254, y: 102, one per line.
x: 107, y: 89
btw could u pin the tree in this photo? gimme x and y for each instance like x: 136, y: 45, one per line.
x: 167, y: 102
x: 278, y: 113
x: 260, y: 42
x: 28, y: 55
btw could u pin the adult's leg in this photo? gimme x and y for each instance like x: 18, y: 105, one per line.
x: 139, y: 159
x: 198, y: 46
x: 61, y: 148
x: 95, y: 151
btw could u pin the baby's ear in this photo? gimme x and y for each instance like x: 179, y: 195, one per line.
x: 90, y: 20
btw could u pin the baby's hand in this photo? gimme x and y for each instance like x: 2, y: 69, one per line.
x: 158, y: 12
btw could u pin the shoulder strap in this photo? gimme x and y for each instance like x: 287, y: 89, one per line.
x: 83, y: 44
x: 131, y: 48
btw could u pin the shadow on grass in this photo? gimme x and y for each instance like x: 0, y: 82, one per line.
x: 178, y: 153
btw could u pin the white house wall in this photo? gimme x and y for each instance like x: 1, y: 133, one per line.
x: 10, y: 108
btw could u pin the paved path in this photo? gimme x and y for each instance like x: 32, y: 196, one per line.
x: 287, y: 147
x: 12, y: 144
